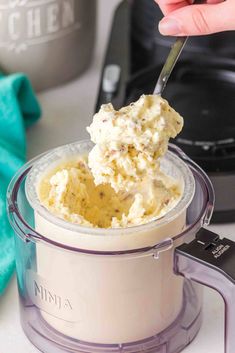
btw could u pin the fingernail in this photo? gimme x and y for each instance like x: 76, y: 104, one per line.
x: 169, y: 26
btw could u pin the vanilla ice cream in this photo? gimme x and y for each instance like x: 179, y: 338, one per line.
x: 128, y: 142
x: 122, y: 184
x: 69, y: 192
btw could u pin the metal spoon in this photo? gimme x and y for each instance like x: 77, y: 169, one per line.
x: 171, y: 60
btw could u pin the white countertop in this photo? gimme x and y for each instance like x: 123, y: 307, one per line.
x: 67, y: 110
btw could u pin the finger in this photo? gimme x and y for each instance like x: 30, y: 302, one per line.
x: 199, y: 19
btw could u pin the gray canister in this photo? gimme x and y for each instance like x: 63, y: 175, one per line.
x: 50, y: 40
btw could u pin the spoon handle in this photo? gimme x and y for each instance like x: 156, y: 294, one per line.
x: 171, y: 60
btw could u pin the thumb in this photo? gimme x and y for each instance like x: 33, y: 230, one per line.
x: 199, y: 19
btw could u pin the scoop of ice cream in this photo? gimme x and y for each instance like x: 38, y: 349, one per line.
x: 129, y: 141
x: 120, y: 182
x: 69, y: 192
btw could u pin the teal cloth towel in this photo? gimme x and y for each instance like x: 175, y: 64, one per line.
x: 18, y: 109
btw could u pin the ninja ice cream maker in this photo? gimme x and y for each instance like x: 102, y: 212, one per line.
x: 127, y: 290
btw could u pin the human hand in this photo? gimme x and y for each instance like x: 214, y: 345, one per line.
x: 182, y: 18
